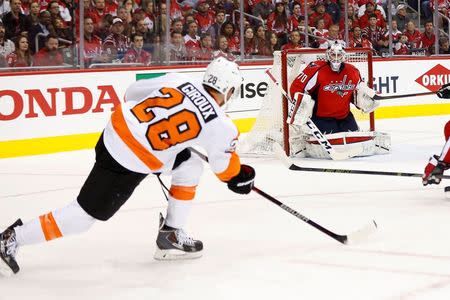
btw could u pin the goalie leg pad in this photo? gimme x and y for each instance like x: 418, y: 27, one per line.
x: 373, y: 143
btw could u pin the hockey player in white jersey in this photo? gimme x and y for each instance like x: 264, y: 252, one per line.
x: 151, y: 132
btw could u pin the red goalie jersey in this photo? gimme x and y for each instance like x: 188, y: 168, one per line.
x: 332, y: 91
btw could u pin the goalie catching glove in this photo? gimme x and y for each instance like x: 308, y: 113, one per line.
x: 364, y: 101
x: 242, y: 183
x: 434, y: 170
x: 444, y: 91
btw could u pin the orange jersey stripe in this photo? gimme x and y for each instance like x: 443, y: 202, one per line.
x: 121, y: 128
x: 182, y: 192
x: 234, y: 166
x: 49, y: 227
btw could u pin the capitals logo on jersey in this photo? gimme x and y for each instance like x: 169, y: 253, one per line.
x: 340, y: 88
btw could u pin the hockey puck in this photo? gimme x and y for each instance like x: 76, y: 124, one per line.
x: 447, y: 192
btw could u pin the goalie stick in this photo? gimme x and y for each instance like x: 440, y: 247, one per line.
x: 323, y: 142
x: 279, y: 153
x: 352, y: 238
x: 378, y: 97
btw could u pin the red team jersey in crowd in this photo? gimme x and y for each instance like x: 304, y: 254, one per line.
x: 332, y: 91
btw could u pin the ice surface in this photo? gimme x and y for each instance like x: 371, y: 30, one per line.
x: 253, y: 249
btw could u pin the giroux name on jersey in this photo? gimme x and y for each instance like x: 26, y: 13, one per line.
x: 199, y: 100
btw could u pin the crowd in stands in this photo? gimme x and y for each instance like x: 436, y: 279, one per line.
x: 46, y: 32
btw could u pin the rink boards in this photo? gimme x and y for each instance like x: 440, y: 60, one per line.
x: 50, y: 112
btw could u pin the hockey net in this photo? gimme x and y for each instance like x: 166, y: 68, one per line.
x: 270, y: 126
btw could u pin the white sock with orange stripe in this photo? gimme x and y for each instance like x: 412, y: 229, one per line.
x: 178, y: 212
x: 71, y: 219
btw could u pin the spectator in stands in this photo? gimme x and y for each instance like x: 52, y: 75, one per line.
x: 229, y: 31
x: 374, y: 33
x: 204, y: 16
x: 277, y: 21
x: 249, y: 42
x: 294, y: 19
x: 136, y: 54
x: 116, y: 44
x: 413, y: 35
x: 302, y: 30
x: 187, y: 20
x: 214, y: 30
x: 56, y: 12
x: 141, y: 28
x: 40, y: 30
x: 444, y: 45
x: 130, y: 6
x: 176, y: 50
x: 15, y: 21
x: 263, y: 9
x: 333, y: 35
x: 4, y: 7
x: 126, y: 18
x: 294, y: 41
x: 402, y: 47
x: 377, y: 6
x: 443, y: 8
x: 6, y: 45
x: 357, y: 40
x: 350, y: 15
x: 395, y: 33
x: 149, y: 15
x: 320, y: 13
x: 33, y: 17
x: 206, y: 51
x: 111, y: 7
x: 272, y: 43
x: 191, y: 39
x: 21, y: 57
x: 320, y: 32
x: 333, y: 9
x: 63, y: 32
x: 97, y: 13
x: 92, y: 44
x: 260, y: 39
x: 104, y: 28
x: 223, y: 49
x: 401, y: 17
x: 177, y: 26
x: 369, y: 11
x: 428, y: 38
x: 49, y: 55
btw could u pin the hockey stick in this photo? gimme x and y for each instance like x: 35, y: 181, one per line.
x: 323, y: 142
x: 279, y: 153
x: 378, y: 97
x: 352, y: 238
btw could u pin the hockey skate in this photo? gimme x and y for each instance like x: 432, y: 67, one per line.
x: 8, y: 250
x: 173, y: 244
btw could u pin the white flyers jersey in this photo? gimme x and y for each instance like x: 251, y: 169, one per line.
x: 163, y: 116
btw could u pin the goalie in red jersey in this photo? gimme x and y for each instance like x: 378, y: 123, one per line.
x: 323, y: 93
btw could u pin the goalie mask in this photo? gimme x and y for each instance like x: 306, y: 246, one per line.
x: 335, y: 55
x: 224, y: 76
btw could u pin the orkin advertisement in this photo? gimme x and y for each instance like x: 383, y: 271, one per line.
x: 54, y: 105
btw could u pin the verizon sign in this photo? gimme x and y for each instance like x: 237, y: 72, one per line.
x: 434, y: 78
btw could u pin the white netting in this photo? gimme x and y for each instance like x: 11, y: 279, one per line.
x: 269, y: 125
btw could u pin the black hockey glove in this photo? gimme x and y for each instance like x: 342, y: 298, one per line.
x: 434, y: 170
x: 444, y: 91
x: 242, y: 183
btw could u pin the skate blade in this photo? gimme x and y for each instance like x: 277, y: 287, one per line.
x: 5, y: 270
x: 175, y: 254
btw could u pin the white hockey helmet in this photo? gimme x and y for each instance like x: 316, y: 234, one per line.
x: 223, y: 75
x: 335, y: 55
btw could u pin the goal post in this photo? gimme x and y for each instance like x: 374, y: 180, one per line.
x: 270, y: 125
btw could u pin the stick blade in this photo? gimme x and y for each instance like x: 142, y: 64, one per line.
x: 338, y: 155
x: 361, y: 234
